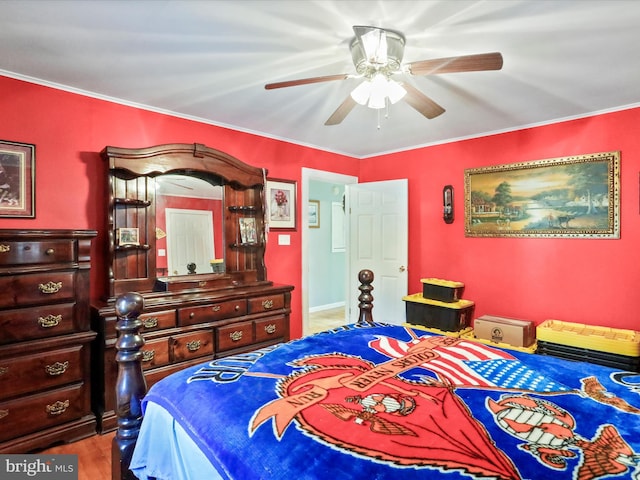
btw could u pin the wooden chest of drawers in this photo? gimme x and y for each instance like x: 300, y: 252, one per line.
x: 185, y: 329
x: 45, y: 338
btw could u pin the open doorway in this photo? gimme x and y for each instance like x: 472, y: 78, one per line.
x: 320, y: 183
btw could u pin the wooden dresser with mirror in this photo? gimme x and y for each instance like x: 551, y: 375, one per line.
x: 186, y: 230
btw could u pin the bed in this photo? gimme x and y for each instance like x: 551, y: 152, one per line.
x: 377, y: 401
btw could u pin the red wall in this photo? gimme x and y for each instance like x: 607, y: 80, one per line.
x: 70, y: 130
x: 591, y: 281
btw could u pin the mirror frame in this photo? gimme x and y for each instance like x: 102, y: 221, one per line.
x: 132, y: 204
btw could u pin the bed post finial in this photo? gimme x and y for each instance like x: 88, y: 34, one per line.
x: 366, y: 299
x: 130, y: 384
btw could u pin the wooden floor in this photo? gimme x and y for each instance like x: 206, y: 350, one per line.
x: 326, y: 319
x: 94, y: 456
x: 94, y: 453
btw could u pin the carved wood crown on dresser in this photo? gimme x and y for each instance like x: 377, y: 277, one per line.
x: 45, y: 338
x: 187, y: 318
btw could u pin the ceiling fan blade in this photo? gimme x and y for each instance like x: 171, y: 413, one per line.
x: 305, y: 81
x: 342, y: 111
x: 421, y: 102
x: 465, y: 63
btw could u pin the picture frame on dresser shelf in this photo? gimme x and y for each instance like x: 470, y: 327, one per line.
x: 128, y: 236
x: 17, y: 179
x: 281, y: 204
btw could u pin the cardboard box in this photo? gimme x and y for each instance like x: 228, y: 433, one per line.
x: 519, y: 333
x: 442, y: 290
x: 446, y: 316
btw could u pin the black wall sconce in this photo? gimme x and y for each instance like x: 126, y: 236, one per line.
x: 447, y: 199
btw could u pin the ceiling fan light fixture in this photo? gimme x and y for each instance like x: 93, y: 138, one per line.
x: 395, y: 91
x: 362, y: 92
x: 375, y: 49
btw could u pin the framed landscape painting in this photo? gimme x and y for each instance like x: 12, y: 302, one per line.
x: 573, y: 197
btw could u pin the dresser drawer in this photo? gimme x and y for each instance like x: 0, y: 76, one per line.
x: 23, y: 290
x: 38, y: 412
x: 38, y: 322
x: 29, y: 373
x: 210, y: 313
x: 270, y: 329
x: 234, y: 336
x: 265, y: 304
x: 30, y: 252
x: 155, y: 353
x: 158, y: 320
x: 191, y: 345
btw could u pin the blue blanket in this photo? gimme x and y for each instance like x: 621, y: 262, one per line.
x: 382, y: 402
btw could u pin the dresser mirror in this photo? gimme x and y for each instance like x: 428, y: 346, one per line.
x: 187, y: 207
x: 189, y: 225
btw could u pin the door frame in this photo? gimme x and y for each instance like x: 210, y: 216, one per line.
x: 309, y: 174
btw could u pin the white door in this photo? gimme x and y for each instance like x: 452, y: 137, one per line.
x: 189, y: 240
x: 378, y: 241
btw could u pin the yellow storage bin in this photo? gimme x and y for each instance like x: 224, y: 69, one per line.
x: 602, y: 339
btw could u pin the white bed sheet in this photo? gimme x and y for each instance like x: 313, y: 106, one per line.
x: 164, y: 451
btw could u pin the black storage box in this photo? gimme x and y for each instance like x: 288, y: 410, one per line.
x: 445, y: 316
x: 614, y: 360
x: 442, y: 290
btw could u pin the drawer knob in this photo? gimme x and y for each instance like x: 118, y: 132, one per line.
x: 267, y: 304
x: 5, y: 248
x: 3, y: 370
x: 236, y: 336
x: 270, y: 329
x: 237, y: 308
x: 150, y: 322
x: 148, y: 355
x: 57, y: 408
x: 216, y: 308
x: 194, y: 345
x: 50, y: 287
x: 50, y: 251
x: 4, y: 413
x: 49, y: 321
x: 57, y: 368
x: 191, y: 315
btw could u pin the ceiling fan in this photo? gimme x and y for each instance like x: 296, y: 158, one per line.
x: 377, y: 55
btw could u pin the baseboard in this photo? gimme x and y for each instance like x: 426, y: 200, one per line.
x: 328, y: 306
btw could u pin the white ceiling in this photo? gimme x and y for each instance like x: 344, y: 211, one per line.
x: 210, y: 60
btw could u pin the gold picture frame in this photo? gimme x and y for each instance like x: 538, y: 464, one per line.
x: 313, y: 214
x: 570, y: 197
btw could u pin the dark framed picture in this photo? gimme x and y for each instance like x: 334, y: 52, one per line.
x: 17, y: 179
x: 281, y: 202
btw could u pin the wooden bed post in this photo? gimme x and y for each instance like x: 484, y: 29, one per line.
x: 366, y: 299
x: 130, y: 384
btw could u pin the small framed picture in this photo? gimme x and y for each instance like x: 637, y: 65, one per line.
x: 281, y: 202
x: 314, y: 214
x: 248, y: 232
x: 128, y: 236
